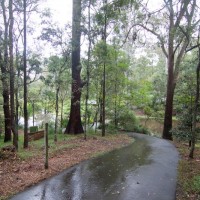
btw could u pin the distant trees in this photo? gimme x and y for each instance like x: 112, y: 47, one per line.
x: 11, y: 32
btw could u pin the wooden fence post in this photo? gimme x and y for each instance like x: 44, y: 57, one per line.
x: 46, y: 165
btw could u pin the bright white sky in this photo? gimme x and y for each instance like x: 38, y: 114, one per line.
x: 61, y: 9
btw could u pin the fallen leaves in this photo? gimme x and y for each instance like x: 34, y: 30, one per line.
x: 18, y: 174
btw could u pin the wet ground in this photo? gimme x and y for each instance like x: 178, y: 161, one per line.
x: 144, y: 170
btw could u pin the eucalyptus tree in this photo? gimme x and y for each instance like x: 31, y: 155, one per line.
x: 106, y: 18
x: 12, y: 75
x: 4, y: 64
x: 173, y: 30
x: 25, y: 77
x: 88, y: 65
x: 74, y: 125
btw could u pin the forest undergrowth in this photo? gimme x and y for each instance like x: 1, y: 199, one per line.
x: 188, y: 187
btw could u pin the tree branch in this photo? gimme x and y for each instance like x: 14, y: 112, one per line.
x: 158, y: 36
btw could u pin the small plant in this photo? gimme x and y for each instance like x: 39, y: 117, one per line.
x: 196, y: 183
x: 141, y: 129
x: 33, y: 129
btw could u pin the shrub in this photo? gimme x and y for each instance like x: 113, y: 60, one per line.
x: 182, y: 134
x: 196, y: 183
x: 33, y: 129
x: 127, y: 121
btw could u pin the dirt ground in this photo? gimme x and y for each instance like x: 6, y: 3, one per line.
x: 17, y: 174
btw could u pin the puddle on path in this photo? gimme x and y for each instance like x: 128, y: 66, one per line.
x: 100, y: 178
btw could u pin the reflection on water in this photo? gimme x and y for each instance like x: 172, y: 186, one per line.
x: 155, y: 126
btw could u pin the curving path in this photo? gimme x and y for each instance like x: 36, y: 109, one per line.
x: 144, y: 170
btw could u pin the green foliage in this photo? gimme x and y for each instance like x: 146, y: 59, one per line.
x: 184, y: 100
x: 192, y: 185
x: 196, y: 184
x: 184, y: 128
x: 141, y: 129
x: 33, y: 129
x: 64, y: 122
x: 127, y: 121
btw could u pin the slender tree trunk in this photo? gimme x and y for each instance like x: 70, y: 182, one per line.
x: 12, y: 76
x: 104, y: 72
x: 74, y: 125
x: 61, y: 117
x: 116, y: 121
x: 56, y: 120
x: 33, y: 108
x: 116, y: 91
x: 101, y: 111
x: 25, y: 84
x: 6, y: 100
x: 6, y: 109
x: 88, y: 69
x: 5, y: 79
x: 16, y: 92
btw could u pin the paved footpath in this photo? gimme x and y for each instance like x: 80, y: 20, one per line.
x: 144, y: 170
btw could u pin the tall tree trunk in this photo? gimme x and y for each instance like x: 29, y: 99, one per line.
x: 17, y: 91
x: 25, y: 84
x: 88, y: 69
x: 56, y: 120
x: 12, y: 76
x: 74, y: 125
x: 104, y: 72
x: 115, y: 104
x: 5, y: 79
x: 115, y: 90
x: 169, y: 100
x: 7, y: 120
x: 6, y: 101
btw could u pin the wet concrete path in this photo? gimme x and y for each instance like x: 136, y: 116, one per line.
x: 144, y: 170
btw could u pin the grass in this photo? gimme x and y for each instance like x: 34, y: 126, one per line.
x: 36, y: 147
